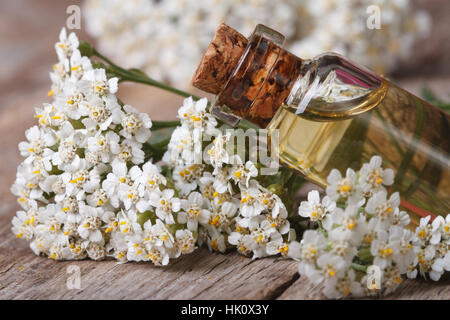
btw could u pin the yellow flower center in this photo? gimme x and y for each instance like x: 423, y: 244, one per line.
x: 345, y: 188
x: 422, y: 233
x: 260, y: 238
x: 214, y: 244
x: 214, y: 221
x: 386, y: 252
x: 331, y: 272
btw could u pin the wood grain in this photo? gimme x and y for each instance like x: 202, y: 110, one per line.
x: 201, y: 275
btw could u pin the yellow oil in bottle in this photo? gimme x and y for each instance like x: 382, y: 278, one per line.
x: 404, y: 130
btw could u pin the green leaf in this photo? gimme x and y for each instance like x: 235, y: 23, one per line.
x: 145, y: 216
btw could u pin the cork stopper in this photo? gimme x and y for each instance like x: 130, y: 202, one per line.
x: 219, y: 60
x: 252, y: 77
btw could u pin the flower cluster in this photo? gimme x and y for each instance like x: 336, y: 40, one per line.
x: 225, y: 202
x: 432, y: 242
x: 166, y: 39
x: 88, y: 189
x: 150, y: 34
x: 346, y: 27
x: 361, y: 229
x: 85, y: 186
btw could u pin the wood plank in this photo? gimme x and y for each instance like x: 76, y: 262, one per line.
x: 201, y: 275
x: 417, y: 289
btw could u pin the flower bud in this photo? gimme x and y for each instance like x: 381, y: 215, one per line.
x: 86, y: 49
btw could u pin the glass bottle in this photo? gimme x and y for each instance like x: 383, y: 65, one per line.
x: 332, y: 113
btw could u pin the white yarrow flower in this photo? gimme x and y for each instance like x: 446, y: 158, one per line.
x: 315, y: 209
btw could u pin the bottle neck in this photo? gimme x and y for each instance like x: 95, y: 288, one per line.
x: 266, y: 76
x: 332, y: 88
x: 261, y: 81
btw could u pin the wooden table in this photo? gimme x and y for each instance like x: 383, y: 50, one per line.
x: 200, y: 275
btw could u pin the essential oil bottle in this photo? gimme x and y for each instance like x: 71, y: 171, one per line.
x: 330, y: 113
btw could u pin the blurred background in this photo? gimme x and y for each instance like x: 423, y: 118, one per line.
x: 166, y: 39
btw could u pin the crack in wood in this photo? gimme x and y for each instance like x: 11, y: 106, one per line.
x: 278, y: 291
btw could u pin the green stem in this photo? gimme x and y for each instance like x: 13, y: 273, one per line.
x: 140, y: 77
x: 341, y: 205
x: 164, y: 124
x: 365, y: 255
x: 161, y: 144
x: 245, y: 124
x: 359, y: 267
